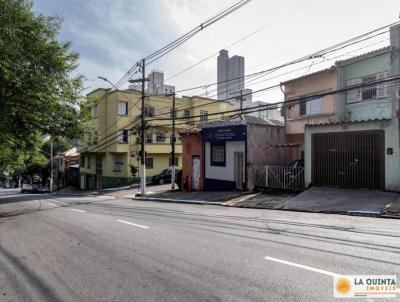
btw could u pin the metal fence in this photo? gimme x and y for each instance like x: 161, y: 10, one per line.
x: 279, y: 177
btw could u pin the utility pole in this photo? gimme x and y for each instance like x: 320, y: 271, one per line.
x: 51, y: 164
x: 173, y: 140
x: 143, y: 137
x: 142, y: 131
x: 142, y: 170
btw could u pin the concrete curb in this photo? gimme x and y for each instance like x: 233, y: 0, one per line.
x: 216, y: 203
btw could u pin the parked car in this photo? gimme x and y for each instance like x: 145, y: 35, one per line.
x: 40, y: 189
x: 164, y: 176
x: 27, y: 188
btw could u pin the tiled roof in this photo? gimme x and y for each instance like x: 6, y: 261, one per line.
x: 189, y: 131
x: 259, y: 120
x: 348, y: 122
x: 310, y: 74
x: 364, y: 54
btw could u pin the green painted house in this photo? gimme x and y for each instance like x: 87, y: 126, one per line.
x: 361, y: 148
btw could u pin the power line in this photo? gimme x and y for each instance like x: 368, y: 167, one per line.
x: 310, y: 97
x: 304, y: 58
x: 278, y: 85
x: 240, y: 40
x: 177, y: 42
x: 276, y: 105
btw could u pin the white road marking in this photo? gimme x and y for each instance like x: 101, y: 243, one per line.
x: 134, y: 224
x: 80, y: 211
x: 52, y: 204
x: 61, y: 202
x: 309, y: 268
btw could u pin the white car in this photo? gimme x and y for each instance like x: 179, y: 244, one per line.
x: 27, y: 188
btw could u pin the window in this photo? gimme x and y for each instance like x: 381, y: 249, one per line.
x: 221, y: 116
x: 310, y: 107
x: 370, y: 92
x: 217, y: 154
x: 149, y: 138
x: 117, y: 167
x: 149, y: 111
x: 186, y: 113
x: 88, y: 162
x: 161, y: 137
x: 122, y: 108
x: 176, y: 161
x: 203, y: 115
x: 95, y: 111
x: 149, y: 163
x: 172, y: 113
x: 95, y: 137
x: 123, y: 137
x: 82, y: 161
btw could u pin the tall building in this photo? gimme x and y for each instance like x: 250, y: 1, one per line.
x: 230, y: 75
x: 155, y: 85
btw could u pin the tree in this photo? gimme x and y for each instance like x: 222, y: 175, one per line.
x: 40, y: 91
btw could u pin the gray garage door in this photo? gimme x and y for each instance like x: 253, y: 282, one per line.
x: 351, y: 159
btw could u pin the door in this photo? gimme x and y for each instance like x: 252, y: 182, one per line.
x: 82, y: 182
x: 351, y: 159
x: 196, y: 173
x: 238, y: 168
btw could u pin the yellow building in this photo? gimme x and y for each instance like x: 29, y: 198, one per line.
x: 110, y: 151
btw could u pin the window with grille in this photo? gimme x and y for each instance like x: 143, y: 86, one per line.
x: 149, y: 138
x: 122, y: 108
x: 217, y: 151
x: 149, y: 163
x: 117, y: 165
x: 368, y: 92
x: 186, y: 113
x: 149, y: 111
x: 203, y: 115
x: 161, y: 137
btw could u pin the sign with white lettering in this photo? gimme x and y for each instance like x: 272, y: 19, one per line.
x: 226, y: 133
x: 365, y: 286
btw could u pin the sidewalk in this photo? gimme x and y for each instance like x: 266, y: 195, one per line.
x: 198, y: 197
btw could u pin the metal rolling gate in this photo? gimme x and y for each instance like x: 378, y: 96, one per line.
x: 350, y: 160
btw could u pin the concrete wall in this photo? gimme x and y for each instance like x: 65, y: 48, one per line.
x: 368, y: 64
x: 258, y: 139
x: 392, y: 175
x: 227, y: 172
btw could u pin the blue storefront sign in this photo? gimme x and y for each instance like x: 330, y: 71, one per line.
x: 225, y: 133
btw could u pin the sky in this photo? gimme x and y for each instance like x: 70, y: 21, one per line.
x: 112, y: 35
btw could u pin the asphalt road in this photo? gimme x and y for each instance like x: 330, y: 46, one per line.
x: 123, y: 250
